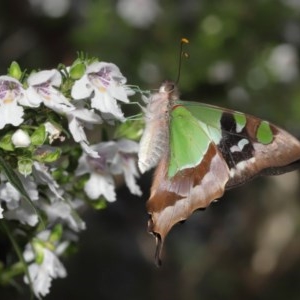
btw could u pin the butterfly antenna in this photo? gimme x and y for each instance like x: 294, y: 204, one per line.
x: 181, y: 54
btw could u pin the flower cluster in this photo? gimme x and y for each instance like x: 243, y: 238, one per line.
x: 49, y: 169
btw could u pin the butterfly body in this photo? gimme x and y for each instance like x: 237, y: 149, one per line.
x: 156, y: 134
x: 200, y: 151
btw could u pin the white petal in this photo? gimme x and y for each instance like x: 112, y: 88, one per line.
x: 10, y: 195
x: 42, y: 275
x: 25, y: 214
x: 21, y: 138
x: 58, y: 102
x: 107, y: 149
x: 41, y: 281
x: 94, y: 67
x: 130, y: 173
x: 82, y: 88
x: 118, y: 92
x: 11, y: 113
x: 76, y: 129
x: 86, y: 115
x: 53, y: 265
x: 100, y: 185
x: 61, y: 248
x: 28, y: 253
x: 97, y: 66
x: 77, y: 119
x: 9, y: 79
x: 53, y: 132
x: 83, y: 166
x: 128, y: 146
x: 42, y: 175
x: 56, y: 79
x: 61, y: 210
x: 115, y: 72
x: 88, y: 150
x: 106, y: 104
x: 30, y: 186
x: 31, y: 98
x: 41, y: 77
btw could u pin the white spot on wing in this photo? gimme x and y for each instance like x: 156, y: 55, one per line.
x: 240, y: 146
x: 241, y: 166
x: 235, y: 148
x: 242, y: 143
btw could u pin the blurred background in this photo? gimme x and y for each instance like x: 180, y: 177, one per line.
x: 244, y: 55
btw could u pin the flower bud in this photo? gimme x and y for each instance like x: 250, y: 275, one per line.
x: 20, y: 138
x: 15, y: 70
x: 77, y: 70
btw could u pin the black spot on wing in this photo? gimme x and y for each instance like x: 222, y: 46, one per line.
x: 231, y: 138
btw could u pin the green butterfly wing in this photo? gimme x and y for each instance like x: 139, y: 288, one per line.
x: 189, y: 141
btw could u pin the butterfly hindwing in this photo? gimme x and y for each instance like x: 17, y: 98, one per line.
x: 174, y: 199
x: 192, y: 174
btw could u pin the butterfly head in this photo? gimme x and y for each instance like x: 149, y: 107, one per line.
x: 170, y: 88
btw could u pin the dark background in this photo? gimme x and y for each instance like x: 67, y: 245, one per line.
x: 243, y: 55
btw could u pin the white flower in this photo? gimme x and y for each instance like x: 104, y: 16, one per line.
x: 18, y: 208
x: 24, y: 213
x: 41, y: 274
x: 11, y: 92
x: 41, y: 175
x: 59, y: 210
x: 105, y: 84
x: 53, y: 132
x: 12, y: 197
x: 115, y: 158
x: 125, y: 163
x: 21, y: 138
x: 78, y: 119
x: 43, y: 89
x: 101, y: 182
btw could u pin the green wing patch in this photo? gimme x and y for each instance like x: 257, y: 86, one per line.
x: 188, y: 141
x: 264, y: 133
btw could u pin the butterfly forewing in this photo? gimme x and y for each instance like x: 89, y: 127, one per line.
x: 249, y: 145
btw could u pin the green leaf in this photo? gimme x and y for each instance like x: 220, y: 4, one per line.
x: 25, y: 166
x: 98, y: 204
x: 56, y: 233
x: 131, y: 129
x: 39, y: 136
x: 6, y: 143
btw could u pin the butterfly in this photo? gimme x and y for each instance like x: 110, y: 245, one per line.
x: 200, y: 151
